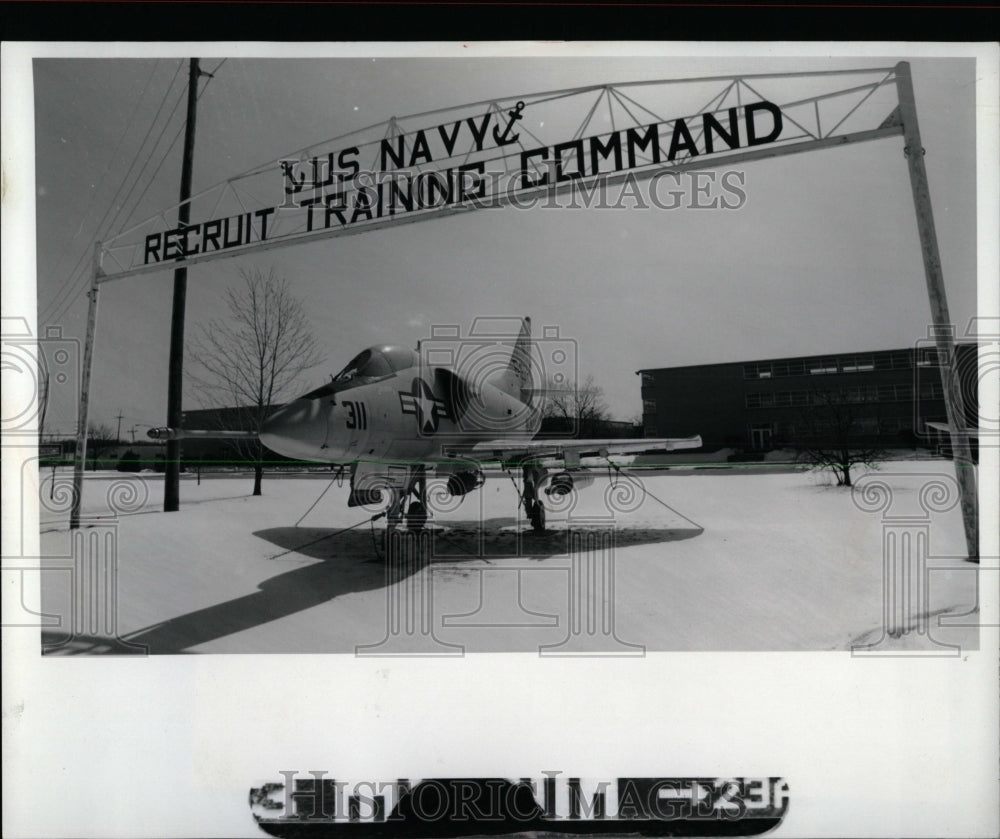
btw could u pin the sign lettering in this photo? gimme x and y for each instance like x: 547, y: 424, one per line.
x: 333, y: 190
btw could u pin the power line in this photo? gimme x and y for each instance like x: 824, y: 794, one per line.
x: 180, y: 131
x: 81, y: 265
x: 72, y: 284
x: 163, y: 159
x: 107, y: 167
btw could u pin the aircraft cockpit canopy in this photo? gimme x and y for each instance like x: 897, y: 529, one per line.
x: 368, y: 366
x: 377, y: 362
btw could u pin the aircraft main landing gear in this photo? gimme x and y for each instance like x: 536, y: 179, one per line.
x: 416, y: 516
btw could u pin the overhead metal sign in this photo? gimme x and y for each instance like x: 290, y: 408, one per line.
x: 502, y: 152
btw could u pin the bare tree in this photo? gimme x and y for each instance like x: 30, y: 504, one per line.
x: 100, y: 440
x: 838, y: 430
x: 581, y: 406
x: 255, y: 356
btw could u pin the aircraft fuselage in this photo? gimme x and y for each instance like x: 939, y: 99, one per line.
x: 405, y: 416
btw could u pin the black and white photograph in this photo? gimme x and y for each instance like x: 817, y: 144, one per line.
x: 380, y: 419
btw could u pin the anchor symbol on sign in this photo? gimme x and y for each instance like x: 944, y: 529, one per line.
x: 297, y: 185
x: 504, y: 139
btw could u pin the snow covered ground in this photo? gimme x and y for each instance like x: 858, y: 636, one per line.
x: 692, y: 559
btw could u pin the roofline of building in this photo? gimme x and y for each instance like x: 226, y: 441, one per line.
x: 789, y: 358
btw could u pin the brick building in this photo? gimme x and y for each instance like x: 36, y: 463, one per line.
x: 756, y: 405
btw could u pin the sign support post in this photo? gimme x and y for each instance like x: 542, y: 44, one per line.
x: 83, y: 412
x: 943, y: 327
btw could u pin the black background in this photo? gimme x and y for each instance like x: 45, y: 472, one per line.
x: 316, y: 20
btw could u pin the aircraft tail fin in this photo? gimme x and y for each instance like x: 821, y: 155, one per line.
x: 516, y: 378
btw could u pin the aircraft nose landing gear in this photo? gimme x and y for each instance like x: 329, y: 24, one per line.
x: 408, y: 505
x: 533, y: 507
x: 536, y: 515
x: 409, y: 501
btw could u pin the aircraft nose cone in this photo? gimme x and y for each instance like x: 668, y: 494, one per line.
x: 296, y: 430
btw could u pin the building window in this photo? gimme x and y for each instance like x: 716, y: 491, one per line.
x: 827, y: 365
x: 649, y: 406
x: 857, y: 364
x: 757, y: 371
x: 848, y: 363
x: 930, y: 357
x: 760, y: 400
x: 902, y: 360
x: 648, y: 378
x: 789, y: 368
x: 896, y: 360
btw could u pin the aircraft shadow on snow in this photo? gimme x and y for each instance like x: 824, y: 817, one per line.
x: 351, y: 561
x: 493, y: 538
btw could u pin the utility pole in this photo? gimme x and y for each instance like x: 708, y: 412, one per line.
x: 175, y: 384
x: 118, y: 433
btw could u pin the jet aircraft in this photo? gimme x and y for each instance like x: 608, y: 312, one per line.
x: 391, y: 418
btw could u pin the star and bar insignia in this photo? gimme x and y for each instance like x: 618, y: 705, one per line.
x: 427, y: 407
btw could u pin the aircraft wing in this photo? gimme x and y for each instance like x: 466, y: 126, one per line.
x: 507, y: 449
x: 947, y: 429
x: 202, y: 434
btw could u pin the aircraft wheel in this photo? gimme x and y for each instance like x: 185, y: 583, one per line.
x: 416, y: 516
x: 537, y: 517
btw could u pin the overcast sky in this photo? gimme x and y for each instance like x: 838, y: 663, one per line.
x: 822, y: 258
